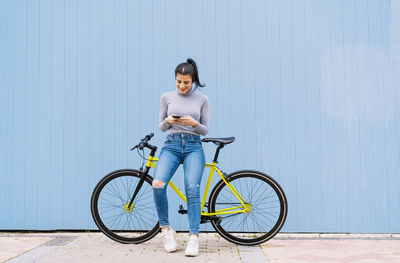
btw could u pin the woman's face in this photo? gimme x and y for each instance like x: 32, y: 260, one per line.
x: 183, y: 83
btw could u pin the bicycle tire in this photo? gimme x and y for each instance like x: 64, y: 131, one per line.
x: 267, y: 217
x: 111, y: 197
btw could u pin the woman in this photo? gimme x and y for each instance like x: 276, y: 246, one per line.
x: 185, y: 114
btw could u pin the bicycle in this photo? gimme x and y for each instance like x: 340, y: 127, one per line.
x: 245, y: 207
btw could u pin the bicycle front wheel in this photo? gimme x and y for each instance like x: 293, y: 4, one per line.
x: 266, y: 208
x: 116, y: 218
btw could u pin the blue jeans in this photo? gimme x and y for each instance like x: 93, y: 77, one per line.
x: 177, y: 148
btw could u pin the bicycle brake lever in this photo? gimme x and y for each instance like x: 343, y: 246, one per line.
x: 134, y: 148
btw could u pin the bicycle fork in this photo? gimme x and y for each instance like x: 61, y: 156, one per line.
x: 129, y: 206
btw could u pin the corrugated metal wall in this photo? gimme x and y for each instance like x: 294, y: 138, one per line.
x: 309, y: 88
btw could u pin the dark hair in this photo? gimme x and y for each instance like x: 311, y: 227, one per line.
x: 189, y: 68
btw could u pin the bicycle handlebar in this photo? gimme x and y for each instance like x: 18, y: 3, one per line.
x: 143, y: 142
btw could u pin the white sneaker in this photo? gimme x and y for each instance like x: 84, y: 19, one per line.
x: 169, y: 240
x: 192, y: 249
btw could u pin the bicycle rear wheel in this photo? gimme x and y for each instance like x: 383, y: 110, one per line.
x: 115, y: 217
x: 267, y: 203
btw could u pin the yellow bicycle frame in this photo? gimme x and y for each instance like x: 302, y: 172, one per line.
x: 244, y: 208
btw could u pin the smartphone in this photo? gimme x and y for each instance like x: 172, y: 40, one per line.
x: 176, y: 116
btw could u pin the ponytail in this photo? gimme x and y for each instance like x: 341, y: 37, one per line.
x: 189, y: 67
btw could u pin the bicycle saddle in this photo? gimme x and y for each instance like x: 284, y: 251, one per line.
x: 226, y: 140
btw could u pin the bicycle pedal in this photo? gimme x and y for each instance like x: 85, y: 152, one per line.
x: 181, y: 210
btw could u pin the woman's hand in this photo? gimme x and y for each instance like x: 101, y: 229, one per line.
x: 185, y: 120
x: 171, y: 120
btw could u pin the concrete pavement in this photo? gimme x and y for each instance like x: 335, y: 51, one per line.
x: 284, y: 248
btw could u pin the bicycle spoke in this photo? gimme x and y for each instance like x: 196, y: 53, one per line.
x: 108, y: 203
x: 110, y: 209
x: 258, y: 219
x: 126, y: 187
x: 264, y: 215
x: 116, y: 190
x: 255, y: 222
x: 126, y: 221
x: 113, y: 221
x: 112, y: 195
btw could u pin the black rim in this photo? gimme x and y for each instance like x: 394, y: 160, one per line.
x: 109, y: 199
x: 268, y: 202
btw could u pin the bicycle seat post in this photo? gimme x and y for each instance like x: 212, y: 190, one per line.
x: 217, y: 152
x: 221, y: 142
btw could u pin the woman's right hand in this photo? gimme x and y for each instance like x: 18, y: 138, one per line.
x: 170, y: 120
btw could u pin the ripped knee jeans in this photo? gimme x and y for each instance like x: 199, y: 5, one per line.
x: 178, y: 148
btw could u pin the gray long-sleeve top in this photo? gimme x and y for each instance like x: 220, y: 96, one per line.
x: 192, y: 103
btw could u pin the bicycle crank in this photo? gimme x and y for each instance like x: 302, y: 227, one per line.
x: 203, y: 218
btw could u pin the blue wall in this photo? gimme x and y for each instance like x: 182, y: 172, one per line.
x: 309, y: 88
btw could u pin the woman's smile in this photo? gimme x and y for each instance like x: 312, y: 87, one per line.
x: 183, y: 83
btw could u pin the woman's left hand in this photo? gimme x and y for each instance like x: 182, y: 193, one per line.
x: 187, y: 120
